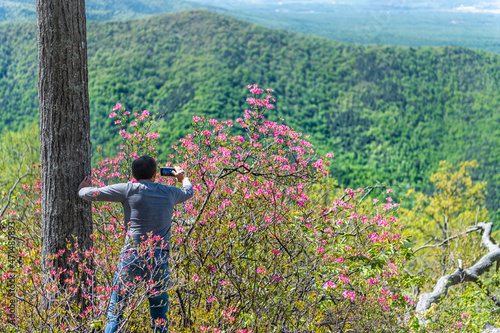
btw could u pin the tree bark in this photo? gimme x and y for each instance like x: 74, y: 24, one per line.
x: 64, y: 127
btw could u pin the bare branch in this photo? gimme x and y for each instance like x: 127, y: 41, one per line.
x: 460, y: 275
x: 427, y: 245
x: 19, y: 178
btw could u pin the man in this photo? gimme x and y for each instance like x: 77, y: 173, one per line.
x: 148, y: 208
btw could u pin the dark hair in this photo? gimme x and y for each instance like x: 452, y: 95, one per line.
x: 144, y: 167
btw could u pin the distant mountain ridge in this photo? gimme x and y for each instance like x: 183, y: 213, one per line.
x: 388, y: 113
x: 415, y: 23
x: 100, y: 10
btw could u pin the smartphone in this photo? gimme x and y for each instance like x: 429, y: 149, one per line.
x: 167, y: 172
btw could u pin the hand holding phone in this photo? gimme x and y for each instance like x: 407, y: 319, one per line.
x: 167, y: 172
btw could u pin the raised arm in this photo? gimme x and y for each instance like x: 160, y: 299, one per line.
x: 113, y: 193
x: 186, y: 191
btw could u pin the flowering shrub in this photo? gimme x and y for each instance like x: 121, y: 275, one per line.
x: 255, y: 250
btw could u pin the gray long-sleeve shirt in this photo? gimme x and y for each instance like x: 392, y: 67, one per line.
x: 148, y: 206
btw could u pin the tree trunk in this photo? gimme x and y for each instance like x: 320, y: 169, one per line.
x: 64, y: 127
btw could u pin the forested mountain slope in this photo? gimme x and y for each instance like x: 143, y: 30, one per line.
x: 388, y: 113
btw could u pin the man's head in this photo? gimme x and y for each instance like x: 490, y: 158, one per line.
x: 144, y: 168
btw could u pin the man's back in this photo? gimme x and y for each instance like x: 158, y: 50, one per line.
x: 147, y: 206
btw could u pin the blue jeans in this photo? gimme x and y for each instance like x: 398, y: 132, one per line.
x: 130, y: 266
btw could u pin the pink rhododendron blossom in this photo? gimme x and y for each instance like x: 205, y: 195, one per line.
x: 349, y: 295
x: 212, y: 299
x: 344, y: 279
x: 117, y: 107
x: 254, y: 219
x: 329, y: 285
x: 251, y: 228
x: 275, y: 252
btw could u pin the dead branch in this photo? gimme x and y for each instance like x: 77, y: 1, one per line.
x: 427, y: 245
x: 470, y: 274
x: 491, y: 329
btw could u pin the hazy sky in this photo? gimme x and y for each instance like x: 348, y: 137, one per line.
x: 490, y: 6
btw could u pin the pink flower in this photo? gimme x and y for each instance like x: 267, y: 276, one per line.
x: 319, y: 164
x: 126, y: 113
x: 133, y: 124
x: 277, y: 278
x: 261, y: 270
x: 251, y: 228
x: 117, y: 107
x: 329, y: 285
x: 212, y: 299
x: 145, y: 113
x: 118, y: 122
x: 112, y: 114
x: 349, y: 295
x: 344, y: 279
